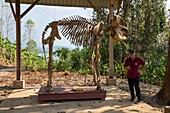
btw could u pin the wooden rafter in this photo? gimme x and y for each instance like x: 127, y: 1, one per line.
x: 98, y: 11
x: 118, y: 7
x: 12, y: 8
x: 67, y: 3
x: 27, y: 10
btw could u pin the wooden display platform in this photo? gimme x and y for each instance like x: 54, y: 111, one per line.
x: 66, y: 93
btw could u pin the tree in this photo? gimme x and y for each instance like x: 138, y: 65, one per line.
x: 62, y: 53
x: 76, y: 59
x: 146, y: 21
x: 63, y: 60
x: 7, y: 48
x: 29, y: 26
x: 164, y: 93
x: 6, y: 21
x: 147, y: 26
x: 32, y: 46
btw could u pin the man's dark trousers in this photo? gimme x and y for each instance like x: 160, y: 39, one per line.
x: 134, y: 82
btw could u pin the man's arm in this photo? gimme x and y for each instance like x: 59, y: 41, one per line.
x: 127, y: 68
x: 143, y: 67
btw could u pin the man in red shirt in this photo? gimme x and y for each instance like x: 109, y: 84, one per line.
x: 132, y: 65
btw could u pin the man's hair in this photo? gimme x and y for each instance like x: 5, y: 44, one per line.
x: 131, y: 51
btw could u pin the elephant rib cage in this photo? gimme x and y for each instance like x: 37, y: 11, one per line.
x: 78, y: 30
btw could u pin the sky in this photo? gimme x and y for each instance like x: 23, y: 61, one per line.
x: 42, y: 15
x: 168, y: 4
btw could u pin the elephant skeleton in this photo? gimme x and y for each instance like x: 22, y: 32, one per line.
x: 81, y: 31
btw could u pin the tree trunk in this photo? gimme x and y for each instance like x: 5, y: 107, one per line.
x: 164, y: 93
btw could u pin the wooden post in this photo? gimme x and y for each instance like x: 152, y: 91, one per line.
x: 110, y: 80
x: 18, y: 39
x: 17, y: 16
x: 18, y: 83
x: 166, y: 109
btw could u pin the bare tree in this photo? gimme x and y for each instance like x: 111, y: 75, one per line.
x: 29, y: 27
x: 6, y: 21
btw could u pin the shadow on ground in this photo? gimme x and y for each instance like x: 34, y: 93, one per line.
x: 117, y: 101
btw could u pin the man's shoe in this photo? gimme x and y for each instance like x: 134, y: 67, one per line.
x: 138, y: 101
x: 132, y: 99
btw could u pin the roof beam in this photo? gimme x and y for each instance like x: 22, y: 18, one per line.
x: 98, y: 11
x: 12, y: 8
x: 67, y: 3
x: 27, y: 10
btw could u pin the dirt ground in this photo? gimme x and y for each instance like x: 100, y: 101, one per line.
x: 36, y: 79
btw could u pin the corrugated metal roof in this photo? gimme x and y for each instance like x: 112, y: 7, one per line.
x: 68, y: 3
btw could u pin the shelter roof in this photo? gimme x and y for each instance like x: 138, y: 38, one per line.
x: 68, y: 3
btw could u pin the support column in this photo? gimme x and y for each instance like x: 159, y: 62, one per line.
x: 166, y: 109
x: 110, y: 80
x: 18, y: 83
x: 18, y: 39
x: 17, y: 16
